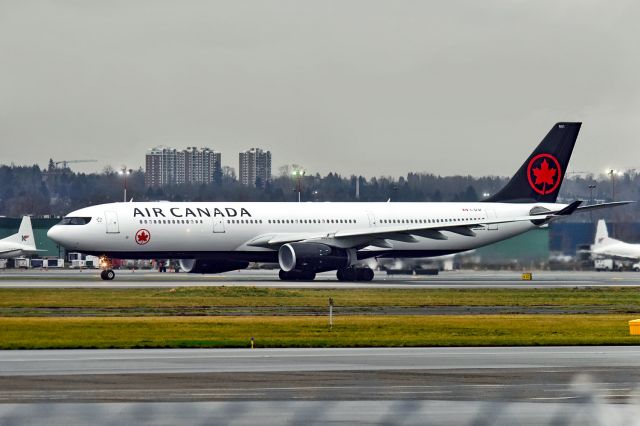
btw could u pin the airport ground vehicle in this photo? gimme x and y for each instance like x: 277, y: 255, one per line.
x: 608, y: 265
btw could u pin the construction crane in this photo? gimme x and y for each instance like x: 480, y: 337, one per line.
x: 65, y: 163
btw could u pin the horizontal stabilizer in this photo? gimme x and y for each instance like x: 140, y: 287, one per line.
x: 603, y: 205
x: 569, y: 209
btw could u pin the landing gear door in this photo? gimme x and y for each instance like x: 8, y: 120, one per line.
x: 491, y: 215
x: 218, y: 225
x: 112, y: 222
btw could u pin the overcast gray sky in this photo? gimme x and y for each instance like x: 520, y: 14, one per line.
x: 365, y: 87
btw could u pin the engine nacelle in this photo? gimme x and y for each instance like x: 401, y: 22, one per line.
x: 539, y: 210
x: 211, y: 266
x: 314, y: 256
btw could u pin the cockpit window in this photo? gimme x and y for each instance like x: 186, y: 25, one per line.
x: 75, y: 221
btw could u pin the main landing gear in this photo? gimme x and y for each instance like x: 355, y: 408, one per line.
x: 355, y: 274
x: 107, y: 273
x: 345, y: 274
x: 296, y: 275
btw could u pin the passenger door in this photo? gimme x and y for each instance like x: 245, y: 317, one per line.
x: 112, y: 222
x: 372, y: 219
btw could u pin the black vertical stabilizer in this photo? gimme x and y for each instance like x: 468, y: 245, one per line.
x: 540, y: 177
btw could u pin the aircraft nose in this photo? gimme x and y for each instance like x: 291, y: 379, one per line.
x: 55, y: 234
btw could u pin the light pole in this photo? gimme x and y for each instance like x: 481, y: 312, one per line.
x: 299, y: 174
x: 591, y: 188
x: 613, y: 174
x: 124, y: 172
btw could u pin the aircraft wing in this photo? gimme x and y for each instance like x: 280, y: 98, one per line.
x: 379, y: 235
x: 19, y: 250
x: 4, y: 252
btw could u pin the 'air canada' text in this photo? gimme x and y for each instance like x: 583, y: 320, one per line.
x: 190, y: 212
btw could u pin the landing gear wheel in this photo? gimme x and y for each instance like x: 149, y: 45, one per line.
x: 296, y: 275
x: 355, y: 274
x: 308, y: 275
x: 107, y: 274
x: 365, y: 274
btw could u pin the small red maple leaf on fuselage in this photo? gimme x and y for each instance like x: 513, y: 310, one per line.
x: 143, y: 237
x: 544, y: 174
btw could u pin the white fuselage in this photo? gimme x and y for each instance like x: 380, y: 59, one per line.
x: 615, y: 248
x: 189, y: 230
x: 9, y: 250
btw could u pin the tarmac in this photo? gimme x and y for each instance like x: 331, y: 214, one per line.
x: 269, y: 278
x: 554, y: 385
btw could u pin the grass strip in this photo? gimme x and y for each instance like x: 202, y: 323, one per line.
x: 622, y: 299
x: 352, y: 331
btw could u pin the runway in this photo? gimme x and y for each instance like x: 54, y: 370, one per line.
x: 555, y: 385
x: 268, y: 278
x: 120, y: 361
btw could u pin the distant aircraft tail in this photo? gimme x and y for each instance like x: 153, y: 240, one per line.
x: 602, y: 235
x: 540, y: 177
x: 24, y: 235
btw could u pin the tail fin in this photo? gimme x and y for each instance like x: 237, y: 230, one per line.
x: 539, y: 178
x: 602, y: 235
x: 24, y: 235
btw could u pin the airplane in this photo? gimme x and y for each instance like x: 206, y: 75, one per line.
x: 610, y: 247
x: 308, y: 238
x: 21, y: 244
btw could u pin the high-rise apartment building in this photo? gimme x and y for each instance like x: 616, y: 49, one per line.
x: 201, y: 165
x: 168, y: 166
x: 255, y: 167
x: 161, y: 166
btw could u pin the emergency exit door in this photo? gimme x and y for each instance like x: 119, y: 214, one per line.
x: 218, y: 225
x: 491, y: 215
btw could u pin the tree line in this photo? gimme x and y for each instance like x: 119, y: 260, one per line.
x: 52, y: 191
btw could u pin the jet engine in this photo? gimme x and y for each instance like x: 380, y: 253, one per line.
x: 315, y: 257
x: 211, y: 266
x: 539, y: 210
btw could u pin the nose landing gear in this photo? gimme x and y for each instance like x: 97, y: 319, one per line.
x: 107, y: 273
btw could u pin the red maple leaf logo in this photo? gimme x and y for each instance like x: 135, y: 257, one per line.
x: 544, y: 174
x: 547, y: 172
x: 142, y: 236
